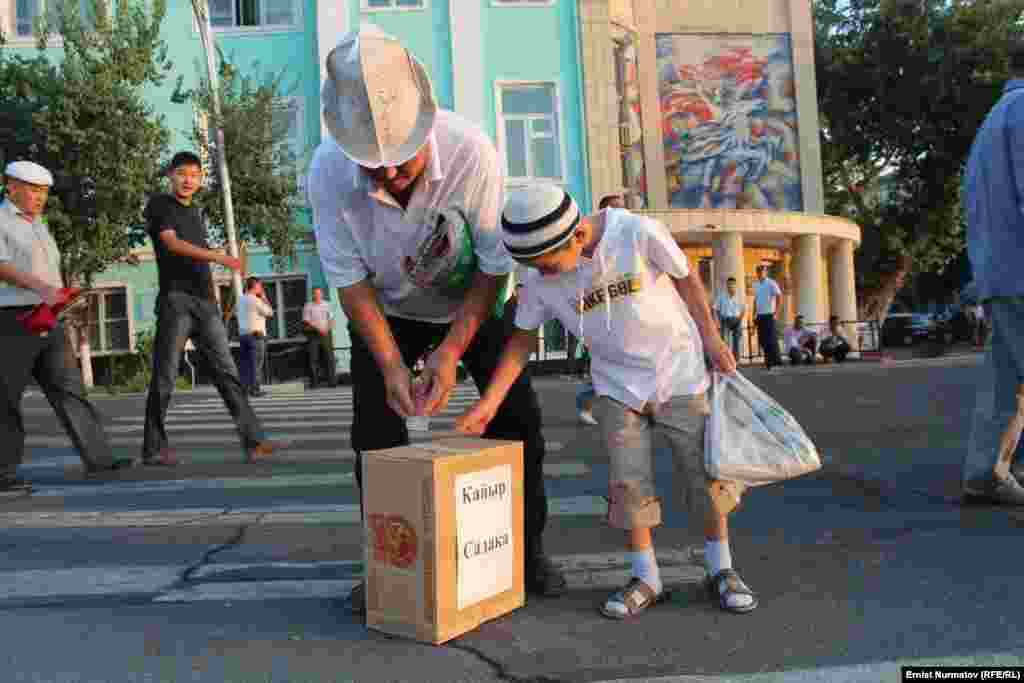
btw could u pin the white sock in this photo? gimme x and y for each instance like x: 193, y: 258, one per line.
x: 645, y: 568
x: 717, y: 557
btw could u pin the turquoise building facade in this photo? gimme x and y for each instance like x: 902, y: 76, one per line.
x: 512, y: 66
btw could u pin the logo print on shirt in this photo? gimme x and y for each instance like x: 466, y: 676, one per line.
x: 626, y: 285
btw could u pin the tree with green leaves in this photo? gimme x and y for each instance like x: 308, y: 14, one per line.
x: 903, y: 85
x: 263, y: 166
x: 84, y: 117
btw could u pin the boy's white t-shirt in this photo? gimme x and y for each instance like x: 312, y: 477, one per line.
x: 644, y: 345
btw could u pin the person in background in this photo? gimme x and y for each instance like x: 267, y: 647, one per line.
x: 993, y: 470
x: 186, y: 307
x: 253, y: 311
x: 801, y: 343
x: 730, y: 308
x: 834, y: 346
x: 30, y: 275
x: 767, y: 295
x: 316, y: 325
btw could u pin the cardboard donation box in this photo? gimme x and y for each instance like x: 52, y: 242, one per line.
x: 443, y: 536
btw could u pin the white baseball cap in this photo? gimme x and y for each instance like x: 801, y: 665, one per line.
x: 378, y: 101
x: 29, y: 172
x: 538, y: 219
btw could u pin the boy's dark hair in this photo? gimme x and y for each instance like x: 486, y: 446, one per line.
x: 184, y: 159
x: 731, y: 279
x: 607, y: 200
x: 833, y: 319
x: 251, y: 282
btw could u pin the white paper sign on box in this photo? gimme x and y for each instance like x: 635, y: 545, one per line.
x: 483, y: 513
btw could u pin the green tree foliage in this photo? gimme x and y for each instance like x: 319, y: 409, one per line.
x: 84, y: 117
x: 903, y: 86
x: 263, y: 167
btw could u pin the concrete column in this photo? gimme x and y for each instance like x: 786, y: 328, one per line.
x: 842, y: 286
x: 468, y: 61
x: 331, y: 25
x: 807, y: 278
x: 727, y: 259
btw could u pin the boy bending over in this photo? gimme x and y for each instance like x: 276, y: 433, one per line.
x: 621, y: 280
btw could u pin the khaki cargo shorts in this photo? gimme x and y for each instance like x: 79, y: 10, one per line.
x: 629, y: 436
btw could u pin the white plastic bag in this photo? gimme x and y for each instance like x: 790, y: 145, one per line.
x: 750, y: 438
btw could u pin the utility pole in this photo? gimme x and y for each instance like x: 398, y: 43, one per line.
x: 202, y: 12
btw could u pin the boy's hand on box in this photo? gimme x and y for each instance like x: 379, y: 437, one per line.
x: 721, y: 356
x: 475, y: 420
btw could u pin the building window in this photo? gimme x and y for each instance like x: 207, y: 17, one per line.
x: 630, y: 121
x: 375, y: 5
x: 529, y: 133
x: 26, y: 12
x: 522, y: 3
x: 288, y: 118
x: 226, y: 15
x: 109, y: 321
x: 287, y: 295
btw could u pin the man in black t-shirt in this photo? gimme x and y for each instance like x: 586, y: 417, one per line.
x: 187, y: 308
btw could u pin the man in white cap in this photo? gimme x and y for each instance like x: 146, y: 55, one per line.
x: 30, y: 275
x: 406, y: 200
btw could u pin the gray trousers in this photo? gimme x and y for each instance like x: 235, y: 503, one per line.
x: 995, y: 402
x: 51, y: 362
x: 180, y: 317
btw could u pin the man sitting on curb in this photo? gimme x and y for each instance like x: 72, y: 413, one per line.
x: 801, y: 343
x: 834, y: 346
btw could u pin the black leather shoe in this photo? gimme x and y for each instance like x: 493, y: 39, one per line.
x: 995, y: 492
x: 355, y: 603
x: 544, y: 579
x: 12, y: 485
x: 120, y: 462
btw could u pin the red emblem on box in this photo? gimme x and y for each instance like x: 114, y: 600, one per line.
x: 394, y: 540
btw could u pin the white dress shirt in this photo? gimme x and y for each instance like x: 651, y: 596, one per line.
x: 29, y: 247
x: 765, y: 292
x: 363, y: 233
x: 252, y: 314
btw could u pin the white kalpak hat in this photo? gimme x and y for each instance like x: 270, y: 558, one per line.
x: 538, y: 219
x: 378, y: 101
x: 29, y: 172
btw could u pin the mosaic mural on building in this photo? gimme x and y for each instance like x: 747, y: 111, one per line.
x: 729, y: 121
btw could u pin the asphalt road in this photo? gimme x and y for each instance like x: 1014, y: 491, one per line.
x: 217, y: 571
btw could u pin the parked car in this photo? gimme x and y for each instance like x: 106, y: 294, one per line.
x: 907, y: 329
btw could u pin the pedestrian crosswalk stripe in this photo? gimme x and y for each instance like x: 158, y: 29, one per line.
x: 312, y: 514
x: 284, y: 580
x: 317, y: 480
x: 192, y: 426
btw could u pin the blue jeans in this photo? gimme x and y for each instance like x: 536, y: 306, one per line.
x: 180, y: 317
x: 995, y: 402
x: 586, y: 395
x: 252, y: 353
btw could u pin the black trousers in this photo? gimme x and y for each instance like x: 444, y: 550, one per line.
x: 320, y: 357
x: 769, y: 339
x: 375, y: 426
x: 49, y: 360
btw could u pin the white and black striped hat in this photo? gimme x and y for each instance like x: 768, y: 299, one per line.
x: 538, y: 219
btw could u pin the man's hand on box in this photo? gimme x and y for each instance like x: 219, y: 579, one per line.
x: 398, y: 385
x: 475, y: 420
x: 440, y: 373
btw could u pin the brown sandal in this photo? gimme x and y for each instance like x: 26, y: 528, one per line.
x: 636, y: 597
